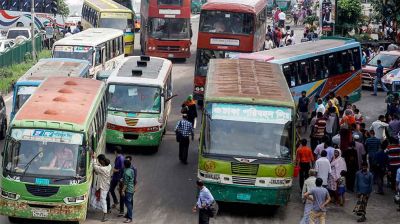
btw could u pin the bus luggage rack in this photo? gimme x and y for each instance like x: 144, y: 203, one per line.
x: 244, y: 180
x: 42, y: 191
x: 244, y: 168
x: 168, y: 48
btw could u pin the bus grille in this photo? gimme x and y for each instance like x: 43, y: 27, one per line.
x: 244, y: 168
x: 42, y: 191
x: 244, y: 180
x: 168, y: 48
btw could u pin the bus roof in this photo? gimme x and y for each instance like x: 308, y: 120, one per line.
x: 107, y: 6
x: 311, y: 47
x: 90, y: 37
x: 137, y: 70
x: 56, y: 67
x: 246, y: 81
x: 245, y: 6
x: 62, y: 99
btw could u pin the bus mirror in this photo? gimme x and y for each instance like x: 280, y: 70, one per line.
x: 168, y: 98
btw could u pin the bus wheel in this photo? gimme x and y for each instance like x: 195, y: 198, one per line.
x: 3, y: 130
x: 14, y: 220
x: 154, y: 149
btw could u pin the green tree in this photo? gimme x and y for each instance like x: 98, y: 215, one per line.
x: 349, y: 14
x: 387, y: 11
x: 63, y: 9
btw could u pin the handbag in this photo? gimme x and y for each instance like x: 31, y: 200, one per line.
x: 178, y: 133
x: 213, y: 209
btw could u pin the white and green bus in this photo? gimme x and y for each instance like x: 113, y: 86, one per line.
x: 102, y: 47
x: 47, y: 164
x: 247, y: 142
x: 139, y: 101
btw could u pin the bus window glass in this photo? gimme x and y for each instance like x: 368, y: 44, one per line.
x: 357, y: 58
x: 304, y: 71
x: 134, y: 98
x: 204, y: 56
x: 330, y: 64
x: 45, y: 153
x: 387, y: 60
x: 23, y: 94
x: 169, y: 29
x: 226, y: 22
x: 169, y: 2
x: 121, y: 22
x: 75, y: 52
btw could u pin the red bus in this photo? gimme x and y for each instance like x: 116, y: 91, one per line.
x: 227, y: 28
x: 166, y: 28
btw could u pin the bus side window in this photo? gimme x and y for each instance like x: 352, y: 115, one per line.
x: 331, y: 64
x: 357, y: 59
x: 288, y: 75
x: 98, y: 56
x: 304, y: 71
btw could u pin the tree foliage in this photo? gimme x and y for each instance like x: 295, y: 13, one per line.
x: 386, y: 10
x: 349, y: 15
x: 63, y: 8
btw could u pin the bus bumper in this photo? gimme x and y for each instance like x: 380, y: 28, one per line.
x: 134, y: 139
x: 249, y: 194
x: 169, y: 54
x: 43, y: 211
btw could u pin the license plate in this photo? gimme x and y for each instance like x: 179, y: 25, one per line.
x: 170, y: 55
x: 40, y: 213
x: 243, y: 197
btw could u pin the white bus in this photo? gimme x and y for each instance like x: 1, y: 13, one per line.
x: 140, y: 92
x: 102, y: 47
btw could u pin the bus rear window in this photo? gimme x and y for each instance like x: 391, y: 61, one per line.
x: 226, y: 22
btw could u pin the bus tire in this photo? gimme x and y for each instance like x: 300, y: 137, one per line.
x: 14, y: 220
x: 3, y: 130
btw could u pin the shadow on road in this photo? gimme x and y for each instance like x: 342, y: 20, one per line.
x: 248, y: 210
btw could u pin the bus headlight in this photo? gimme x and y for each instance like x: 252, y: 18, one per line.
x: 9, y: 195
x: 75, y: 200
x: 152, y: 48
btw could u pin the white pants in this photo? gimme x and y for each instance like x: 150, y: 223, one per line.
x: 103, y: 200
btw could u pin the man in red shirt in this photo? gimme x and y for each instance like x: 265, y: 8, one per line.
x: 304, y: 159
x: 278, y: 37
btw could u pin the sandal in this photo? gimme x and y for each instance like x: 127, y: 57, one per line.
x: 128, y: 221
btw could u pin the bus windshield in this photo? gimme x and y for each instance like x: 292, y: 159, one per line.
x: 116, y: 23
x: 170, y: 29
x: 226, y: 22
x: 38, y: 152
x: 74, y: 52
x: 169, y: 2
x: 23, y: 94
x: 251, y: 131
x: 134, y: 98
x: 204, y: 56
x: 386, y: 59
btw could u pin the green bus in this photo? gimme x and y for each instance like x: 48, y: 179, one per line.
x: 247, y: 142
x: 47, y: 166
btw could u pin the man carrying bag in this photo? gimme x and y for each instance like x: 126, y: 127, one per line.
x: 183, y: 130
x: 208, y: 207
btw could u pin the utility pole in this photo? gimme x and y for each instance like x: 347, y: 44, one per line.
x: 33, y: 30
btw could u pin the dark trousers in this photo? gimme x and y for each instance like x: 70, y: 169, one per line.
x: 113, y: 186
x: 129, y: 205
x: 304, y: 168
x: 204, y: 216
x: 350, y: 179
x: 378, y: 179
x: 314, y: 142
x: 183, y: 149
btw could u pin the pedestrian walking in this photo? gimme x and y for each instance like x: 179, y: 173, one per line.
x: 320, y: 147
x: 115, y: 181
x: 341, y: 187
x: 359, y: 147
x: 183, y: 130
x: 302, y: 109
x: 309, y: 184
x: 379, y: 126
x: 372, y: 146
x: 338, y: 165
x: 345, y: 129
x: 205, y: 201
x: 318, y: 131
x: 128, y: 190
x: 282, y: 18
x: 378, y: 78
x: 332, y: 123
x: 304, y: 159
x: 323, y: 167
x: 364, y: 182
x: 351, y: 158
x: 102, y: 169
x: 379, y: 166
x: 189, y: 108
x: 320, y: 198
x: 393, y: 153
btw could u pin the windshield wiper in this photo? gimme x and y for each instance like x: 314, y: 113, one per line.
x: 77, y: 177
x: 29, y: 163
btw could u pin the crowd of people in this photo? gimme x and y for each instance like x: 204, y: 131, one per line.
x: 343, y: 155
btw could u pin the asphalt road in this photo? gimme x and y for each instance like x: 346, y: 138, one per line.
x: 166, y: 189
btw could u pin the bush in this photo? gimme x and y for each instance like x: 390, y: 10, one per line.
x: 11, y: 74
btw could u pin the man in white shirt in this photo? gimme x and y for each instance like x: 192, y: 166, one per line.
x: 268, y: 43
x: 282, y: 18
x: 323, y: 167
x: 204, y: 201
x: 320, y: 107
x: 320, y: 147
x: 379, y: 127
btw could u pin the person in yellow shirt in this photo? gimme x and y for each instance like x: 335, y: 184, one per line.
x: 331, y: 104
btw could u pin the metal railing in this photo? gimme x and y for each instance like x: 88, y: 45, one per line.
x: 18, y: 53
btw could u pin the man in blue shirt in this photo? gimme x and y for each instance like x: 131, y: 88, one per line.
x: 364, y: 183
x: 115, y: 181
x: 320, y: 198
x: 378, y: 77
x: 204, y: 201
x: 185, y: 128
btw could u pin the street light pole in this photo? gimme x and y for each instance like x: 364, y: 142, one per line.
x: 33, y: 30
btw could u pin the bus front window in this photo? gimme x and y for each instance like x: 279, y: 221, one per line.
x: 45, y: 153
x: 134, y: 98
x: 23, y: 94
x: 74, y: 52
x: 204, y: 56
x: 116, y: 23
x: 170, y: 29
x: 226, y: 22
x: 250, y: 131
x: 169, y: 2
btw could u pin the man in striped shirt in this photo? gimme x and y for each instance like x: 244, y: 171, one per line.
x: 372, y: 145
x: 393, y: 152
x: 185, y: 128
